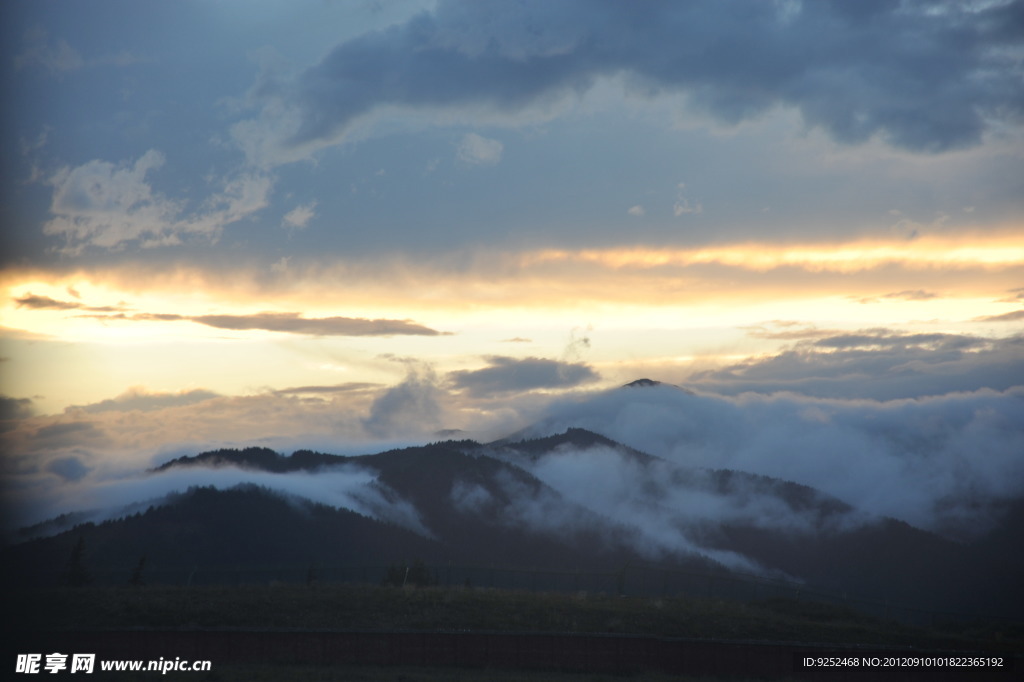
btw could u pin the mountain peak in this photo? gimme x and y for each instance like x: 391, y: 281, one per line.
x: 642, y: 383
x: 649, y: 383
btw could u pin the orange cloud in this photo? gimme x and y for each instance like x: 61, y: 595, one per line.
x: 851, y: 257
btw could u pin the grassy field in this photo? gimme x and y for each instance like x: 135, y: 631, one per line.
x: 364, y: 607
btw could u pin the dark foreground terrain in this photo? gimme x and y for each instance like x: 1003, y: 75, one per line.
x: 372, y: 608
x: 331, y: 632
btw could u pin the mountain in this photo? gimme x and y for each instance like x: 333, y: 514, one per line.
x: 567, y: 501
x: 643, y: 383
x: 786, y: 529
x: 571, y: 439
x: 202, y: 527
x: 257, y: 459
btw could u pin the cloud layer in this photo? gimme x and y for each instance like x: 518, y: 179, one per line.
x: 347, y: 486
x: 109, y: 205
x: 925, y: 76
x: 876, y: 363
x: 944, y: 463
x: 289, y: 322
x: 514, y: 375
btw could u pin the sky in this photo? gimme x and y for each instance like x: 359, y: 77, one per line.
x: 348, y: 224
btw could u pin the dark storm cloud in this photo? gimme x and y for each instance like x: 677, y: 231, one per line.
x: 876, y: 364
x: 926, y: 76
x: 505, y: 375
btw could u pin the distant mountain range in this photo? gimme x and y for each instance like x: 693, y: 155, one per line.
x: 569, y: 501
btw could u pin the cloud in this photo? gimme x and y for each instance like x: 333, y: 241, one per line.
x: 241, y: 196
x: 935, y: 251
x: 57, y: 57
x: 506, y: 375
x: 637, y: 211
x: 664, y: 508
x: 944, y: 463
x: 127, y: 431
x: 683, y: 205
x: 323, y: 326
x: 113, y: 440
x: 60, y: 58
x: 1018, y: 295
x: 897, y: 341
x: 479, y: 151
x: 912, y: 295
x: 908, y: 295
x: 44, y: 302
x: 412, y: 407
x: 299, y: 217
x: 68, y: 468
x: 345, y: 486
x: 103, y: 204
x: 349, y: 387
x: 791, y: 331
x: 14, y: 408
x: 110, y: 205
x: 35, y: 302
x: 66, y: 434
x: 139, y: 399
x: 287, y: 322
x: 875, y: 364
x: 924, y: 77
x: 573, y: 279
x: 1013, y: 316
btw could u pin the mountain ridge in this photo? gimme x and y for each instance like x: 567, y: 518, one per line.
x: 556, y: 502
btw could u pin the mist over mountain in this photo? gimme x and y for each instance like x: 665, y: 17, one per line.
x: 568, y: 500
x: 712, y: 287
x: 949, y: 464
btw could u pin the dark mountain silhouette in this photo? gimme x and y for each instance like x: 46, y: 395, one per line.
x: 243, y: 527
x: 642, y: 383
x: 573, y: 438
x: 479, y: 504
x: 650, y: 383
x: 259, y: 459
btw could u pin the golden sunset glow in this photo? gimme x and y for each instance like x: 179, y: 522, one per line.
x: 629, y: 291
x: 661, y: 304
x: 303, y: 240
x: 926, y: 252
